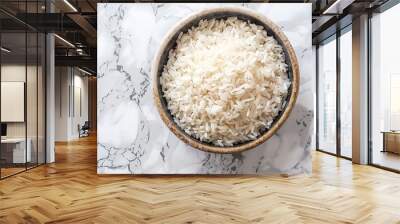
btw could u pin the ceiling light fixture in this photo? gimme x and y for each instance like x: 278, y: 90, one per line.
x: 70, y: 5
x: 64, y: 40
x: 5, y: 50
x: 84, y: 71
x: 79, y: 51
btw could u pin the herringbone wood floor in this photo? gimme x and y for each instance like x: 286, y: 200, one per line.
x: 70, y: 191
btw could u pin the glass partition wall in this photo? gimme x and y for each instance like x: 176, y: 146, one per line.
x: 22, y: 77
x: 334, y: 93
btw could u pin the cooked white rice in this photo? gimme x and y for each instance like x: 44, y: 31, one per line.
x: 225, y: 81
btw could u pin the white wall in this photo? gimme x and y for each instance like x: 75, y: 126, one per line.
x: 62, y: 81
x: 80, y: 84
x: 11, y: 73
x: 70, y: 83
x: 13, y: 101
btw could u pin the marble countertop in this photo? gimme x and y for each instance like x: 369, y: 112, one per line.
x: 132, y: 139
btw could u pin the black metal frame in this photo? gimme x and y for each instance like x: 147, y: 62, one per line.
x: 338, y: 98
x: 369, y: 90
x: 337, y: 35
x: 44, y: 70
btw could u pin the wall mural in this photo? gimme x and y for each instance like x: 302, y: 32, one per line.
x: 132, y: 138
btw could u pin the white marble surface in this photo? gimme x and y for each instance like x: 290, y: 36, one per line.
x: 132, y: 139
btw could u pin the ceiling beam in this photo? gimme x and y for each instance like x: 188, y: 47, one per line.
x: 337, y: 7
x: 89, y: 30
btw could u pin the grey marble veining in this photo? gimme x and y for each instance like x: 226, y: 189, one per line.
x: 132, y: 139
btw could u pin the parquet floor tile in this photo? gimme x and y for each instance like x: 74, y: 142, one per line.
x: 70, y: 191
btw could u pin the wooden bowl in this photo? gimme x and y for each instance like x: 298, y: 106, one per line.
x: 169, y: 42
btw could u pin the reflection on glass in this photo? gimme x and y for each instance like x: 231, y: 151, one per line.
x: 14, y: 153
x: 385, y: 84
x: 346, y: 94
x: 327, y: 96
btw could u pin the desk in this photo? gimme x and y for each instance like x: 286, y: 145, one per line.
x: 13, y: 150
x: 391, y: 141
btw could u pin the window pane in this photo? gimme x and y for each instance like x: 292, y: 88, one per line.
x: 327, y: 96
x: 346, y: 94
x: 385, y: 84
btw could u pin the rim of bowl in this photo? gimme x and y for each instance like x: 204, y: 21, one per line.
x: 290, y: 56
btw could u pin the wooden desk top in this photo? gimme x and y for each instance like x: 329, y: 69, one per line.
x: 391, y: 132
